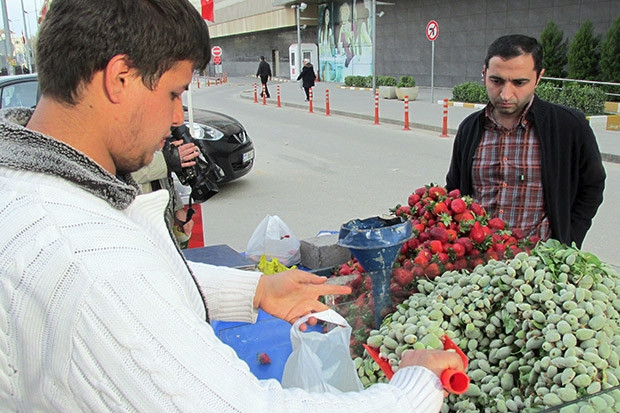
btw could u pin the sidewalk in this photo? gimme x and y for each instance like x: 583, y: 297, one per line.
x: 426, y: 112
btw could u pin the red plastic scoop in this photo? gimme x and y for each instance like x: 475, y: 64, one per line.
x: 454, y: 381
x: 385, y: 366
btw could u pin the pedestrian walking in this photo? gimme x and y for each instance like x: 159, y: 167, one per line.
x: 307, y: 76
x: 264, y: 72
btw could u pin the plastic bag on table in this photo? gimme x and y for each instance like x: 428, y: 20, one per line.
x: 273, y: 238
x: 321, y: 362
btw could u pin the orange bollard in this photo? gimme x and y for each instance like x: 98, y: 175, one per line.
x: 326, y: 102
x: 255, y: 94
x: 264, y: 95
x: 376, y: 107
x: 208, y: 82
x: 406, y: 127
x: 310, y: 107
x: 444, y: 131
x: 279, y: 104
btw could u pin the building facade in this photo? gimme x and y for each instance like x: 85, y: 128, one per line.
x: 342, y: 31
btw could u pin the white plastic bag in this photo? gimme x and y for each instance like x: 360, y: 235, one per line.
x: 321, y: 362
x: 274, y: 238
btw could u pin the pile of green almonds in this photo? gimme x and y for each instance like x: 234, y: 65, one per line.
x: 540, y: 330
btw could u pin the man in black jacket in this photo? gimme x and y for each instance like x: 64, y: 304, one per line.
x: 264, y: 72
x: 532, y: 163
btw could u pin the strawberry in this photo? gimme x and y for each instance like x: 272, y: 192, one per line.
x: 345, y: 269
x: 413, y: 199
x: 496, y: 223
x: 459, y: 249
x: 458, y: 206
x: 436, y: 246
x: 455, y: 193
x: 439, y: 233
x: 440, y: 208
x: 465, y: 242
x: 437, y: 192
x: 432, y: 270
x: 263, y: 358
x: 401, y: 276
x: 477, y: 233
x: 408, y: 265
x: 357, y: 282
x: 422, y: 258
x: 477, y: 209
x: 403, y: 210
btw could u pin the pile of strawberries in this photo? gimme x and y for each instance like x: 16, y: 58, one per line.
x: 450, y: 232
x: 453, y: 232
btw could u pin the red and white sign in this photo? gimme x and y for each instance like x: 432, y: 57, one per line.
x: 216, y: 51
x: 217, y: 60
x: 432, y: 30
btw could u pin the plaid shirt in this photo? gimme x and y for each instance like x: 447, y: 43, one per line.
x: 507, y: 177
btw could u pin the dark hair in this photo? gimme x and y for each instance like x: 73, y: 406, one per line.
x: 262, y: 58
x: 79, y: 37
x: 513, y: 45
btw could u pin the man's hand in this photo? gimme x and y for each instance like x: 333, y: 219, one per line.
x: 181, y: 216
x: 435, y: 360
x: 293, y: 294
x: 187, y: 152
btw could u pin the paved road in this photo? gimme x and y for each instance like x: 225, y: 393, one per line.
x: 317, y: 172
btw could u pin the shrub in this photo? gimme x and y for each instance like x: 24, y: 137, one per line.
x: 386, y: 81
x: 555, y: 49
x: 588, y: 99
x: 358, y: 81
x: 406, y: 81
x: 471, y: 92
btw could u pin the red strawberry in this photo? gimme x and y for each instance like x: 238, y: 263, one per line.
x: 440, y: 208
x: 476, y: 209
x: 439, y: 233
x: 477, y: 233
x: 465, y: 242
x: 455, y: 193
x: 357, y: 282
x: 422, y: 258
x: 413, y: 199
x: 436, y: 192
x: 345, y: 269
x: 436, y: 246
x: 403, y: 210
x: 458, y: 206
x: 496, y: 223
x: 459, y: 249
x: 402, y: 276
x: 432, y: 270
x: 263, y: 358
x: 420, y: 191
x: 408, y: 265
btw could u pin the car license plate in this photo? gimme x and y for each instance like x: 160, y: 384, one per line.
x: 248, y: 156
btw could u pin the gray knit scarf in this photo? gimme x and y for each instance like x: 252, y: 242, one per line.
x: 23, y: 149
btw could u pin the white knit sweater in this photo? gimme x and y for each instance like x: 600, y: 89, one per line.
x: 100, y: 313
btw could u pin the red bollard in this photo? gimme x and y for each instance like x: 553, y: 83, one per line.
x: 255, y: 94
x: 264, y: 95
x: 310, y: 107
x: 377, y: 107
x: 326, y: 102
x: 406, y: 127
x: 444, y: 132
x: 279, y: 104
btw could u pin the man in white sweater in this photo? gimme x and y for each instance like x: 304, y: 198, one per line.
x: 99, y: 311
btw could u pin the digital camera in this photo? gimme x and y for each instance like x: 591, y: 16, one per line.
x: 202, y: 177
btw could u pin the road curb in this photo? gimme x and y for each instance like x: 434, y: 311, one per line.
x: 248, y: 94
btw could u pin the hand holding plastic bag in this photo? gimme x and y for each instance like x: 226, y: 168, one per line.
x: 321, y: 362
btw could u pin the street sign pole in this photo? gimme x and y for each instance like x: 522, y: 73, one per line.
x: 432, y: 31
x: 432, y: 72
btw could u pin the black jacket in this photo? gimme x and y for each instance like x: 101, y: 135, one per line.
x: 264, y: 70
x: 308, y: 75
x: 572, y: 170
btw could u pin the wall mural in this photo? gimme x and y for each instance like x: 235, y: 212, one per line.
x: 345, y: 39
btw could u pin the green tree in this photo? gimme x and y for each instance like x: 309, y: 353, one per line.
x: 555, y: 50
x: 584, y: 53
x: 610, y: 55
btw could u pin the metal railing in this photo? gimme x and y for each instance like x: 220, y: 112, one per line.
x: 594, y: 82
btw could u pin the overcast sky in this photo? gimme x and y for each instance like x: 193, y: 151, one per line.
x: 16, y: 18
